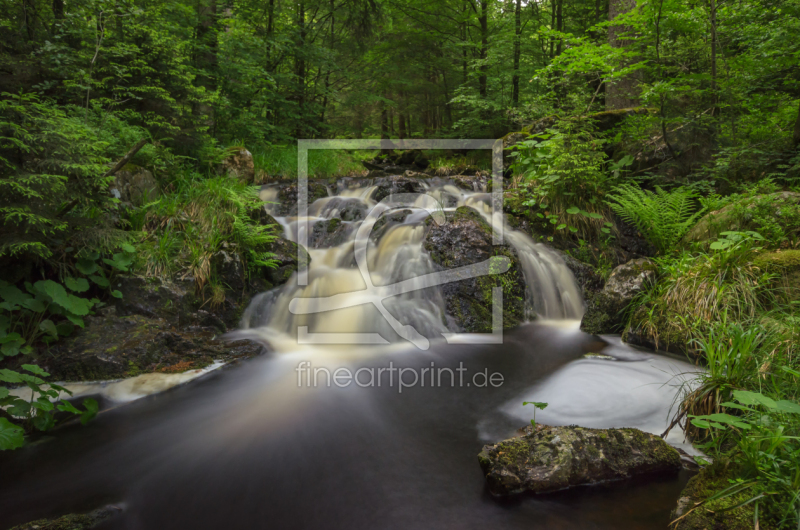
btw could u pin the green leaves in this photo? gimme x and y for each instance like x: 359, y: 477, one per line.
x: 11, y: 436
x: 538, y: 404
x: 79, y: 285
x: 89, y: 414
x: 663, y: 217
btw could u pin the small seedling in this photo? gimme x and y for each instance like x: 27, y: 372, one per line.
x: 539, y: 405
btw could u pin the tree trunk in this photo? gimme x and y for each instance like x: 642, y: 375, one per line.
x: 560, y: 24
x: 713, y: 16
x: 622, y: 93
x: 517, y: 46
x: 300, y: 66
x: 552, y: 26
x: 796, y: 135
x: 484, y: 22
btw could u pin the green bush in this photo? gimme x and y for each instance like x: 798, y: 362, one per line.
x: 663, y: 217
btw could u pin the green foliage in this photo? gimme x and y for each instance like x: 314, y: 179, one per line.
x: 280, y: 162
x: 563, y: 174
x: 662, y: 216
x: 58, y: 196
x: 536, y: 405
x: 182, y: 232
x: 37, y: 412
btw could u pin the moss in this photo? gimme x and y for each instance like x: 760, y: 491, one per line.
x: 717, y: 513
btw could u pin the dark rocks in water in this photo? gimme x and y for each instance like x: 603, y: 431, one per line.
x: 329, y: 233
x: 372, y: 166
x: 473, y: 182
x: 387, y: 221
x: 289, y: 258
x: 547, y: 459
x: 113, y: 346
x: 376, y: 174
x: 73, y: 521
x: 465, y: 239
x: 605, y: 310
x: 285, y: 204
x: 396, y: 184
x: 588, y: 280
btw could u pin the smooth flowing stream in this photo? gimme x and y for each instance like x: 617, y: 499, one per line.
x: 258, y: 445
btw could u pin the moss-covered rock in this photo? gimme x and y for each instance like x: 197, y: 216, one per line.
x: 72, y: 521
x: 714, y: 514
x: 548, y: 458
x: 114, y: 347
x: 465, y: 239
x: 774, y: 215
x: 786, y: 264
x: 605, y: 310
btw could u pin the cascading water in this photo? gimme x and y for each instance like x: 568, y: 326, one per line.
x: 394, y: 253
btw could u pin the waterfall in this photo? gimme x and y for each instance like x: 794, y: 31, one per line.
x: 363, y: 245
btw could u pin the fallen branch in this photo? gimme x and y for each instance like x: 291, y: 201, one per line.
x: 125, y: 159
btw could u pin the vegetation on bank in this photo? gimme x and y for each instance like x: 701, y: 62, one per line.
x: 664, y: 129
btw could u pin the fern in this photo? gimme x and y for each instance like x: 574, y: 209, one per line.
x: 663, y: 217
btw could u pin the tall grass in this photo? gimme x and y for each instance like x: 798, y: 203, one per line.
x: 181, y: 232
x: 280, y: 162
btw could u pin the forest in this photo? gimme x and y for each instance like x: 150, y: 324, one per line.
x: 653, y: 145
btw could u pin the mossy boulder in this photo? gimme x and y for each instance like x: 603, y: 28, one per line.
x: 464, y: 239
x: 72, y: 521
x: 114, y: 347
x: 772, y: 215
x: 285, y: 201
x: 715, y: 514
x: 546, y: 459
x: 135, y: 185
x: 172, y: 301
x: 396, y: 184
x: 786, y: 264
x: 605, y: 309
x: 239, y: 164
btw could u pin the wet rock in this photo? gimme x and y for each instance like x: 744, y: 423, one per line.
x: 238, y: 164
x: 289, y: 257
x: 230, y: 269
x: 472, y: 182
x: 113, y: 347
x: 330, y: 233
x: 466, y: 238
x: 284, y: 253
x: 172, y: 301
x: 285, y: 203
x: 605, y: 310
x: 396, y: 184
x: 376, y: 174
x: 588, y: 280
x: 73, y: 521
x: 387, y: 221
x: 135, y: 185
x: 549, y: 459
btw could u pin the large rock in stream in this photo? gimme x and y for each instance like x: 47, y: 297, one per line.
x: 549, y: 459
x: 605, y: 309
x: 465, y: 239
